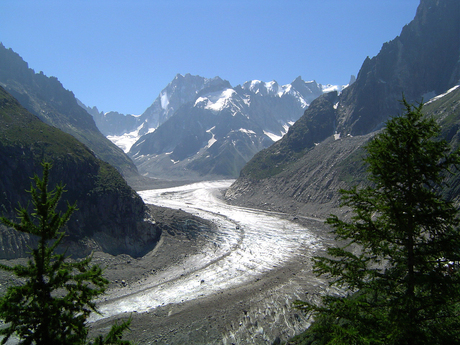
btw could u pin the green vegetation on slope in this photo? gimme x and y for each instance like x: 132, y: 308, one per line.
x: 106, y: 203
x: 46, y: 98
x: 399, y: 264
x: 55, y: 300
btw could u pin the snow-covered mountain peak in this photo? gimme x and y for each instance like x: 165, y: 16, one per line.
x: 215, y: 100
x: 330, y: 88
x: 181, y: 90
x: 209, y: 122
x: 339, y: 88
x: 263, y: 88
x: 304, y: 91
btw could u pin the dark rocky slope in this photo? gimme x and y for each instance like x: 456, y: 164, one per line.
x: 307, y: 167
x: 309, y: 183
x: 46, y: 98
x: 110, y: 216
x: 422, y: 62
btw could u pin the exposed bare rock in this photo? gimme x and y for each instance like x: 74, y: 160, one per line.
x: 309, y: 187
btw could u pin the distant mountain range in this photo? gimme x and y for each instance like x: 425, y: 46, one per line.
x: 205, y: 128
x: 322, y: 152
x: 125, y: 130
x: 201, y: 128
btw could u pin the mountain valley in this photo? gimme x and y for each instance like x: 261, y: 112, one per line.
x: 200, y: 128
x: 219, y: 261
x: 296, y: 173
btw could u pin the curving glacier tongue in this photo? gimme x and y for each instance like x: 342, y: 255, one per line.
x: 247, y: 244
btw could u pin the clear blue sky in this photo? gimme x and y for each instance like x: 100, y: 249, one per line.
x: 118, y: 55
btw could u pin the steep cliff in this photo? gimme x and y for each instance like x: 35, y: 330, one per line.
x: 46, y: 98
x: 110, y: 216
x: 422, y: 62
x: 320, y: 154
x: 216, y: 133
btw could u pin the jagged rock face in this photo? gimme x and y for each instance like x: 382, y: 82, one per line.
x: 314, y: 126
x: 309, y: 183
x: 222, y: 128
x: 110, y: 214
x: 175, y: 134
x: 48, y: 100
x: 422, y: 62
x: 409, y: 65
x: 181, y: 90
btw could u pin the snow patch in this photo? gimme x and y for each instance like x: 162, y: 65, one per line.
x: 285, y: 89
x: 213, y: 139
x: 273, y: 136
x: 217, y: 100
x: 164, y: 99
x: 330, y: 88
x: 442, y: 95
x: 303, y: 103
x: 247, y: 100
x: 273, y: 87
x: 254, y: 84
x: 247, y: 131
x: 127, y: 140
x: 276, y: 137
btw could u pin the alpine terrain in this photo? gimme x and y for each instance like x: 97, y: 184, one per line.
x: 201, y: 128
x: 193, y: 267
x: 110, y: 216
x: 322, y: 153
x: 46, y: 98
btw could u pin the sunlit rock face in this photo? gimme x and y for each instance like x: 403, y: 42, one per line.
x: 217, y: 132
x: 181, y: 90
x: 410, y: 65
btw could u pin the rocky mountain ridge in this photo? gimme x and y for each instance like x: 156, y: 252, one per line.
x: 46, y: 98
x: 125, y: 130
x: 423, y: 61
x: 110, y: 216
x: 217, y: 132
x: 296, y: 173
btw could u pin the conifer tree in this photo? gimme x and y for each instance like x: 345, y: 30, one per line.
x: 399, y: 264
x: 54, y: 302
